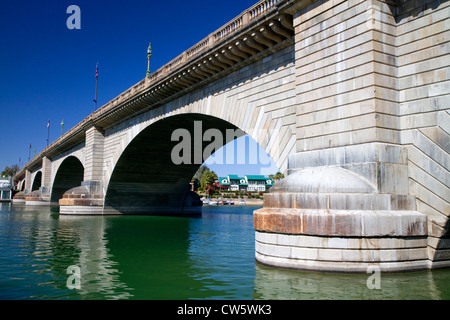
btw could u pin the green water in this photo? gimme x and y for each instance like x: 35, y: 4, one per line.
x: 167, y: 258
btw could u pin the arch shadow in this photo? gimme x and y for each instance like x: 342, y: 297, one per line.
x: 69, y: 175
x: 37, y: 182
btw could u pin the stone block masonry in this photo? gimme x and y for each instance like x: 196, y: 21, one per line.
x: 339, y: 195
x: 372, y: 110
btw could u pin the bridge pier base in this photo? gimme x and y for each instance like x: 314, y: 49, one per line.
x: 39, y: 197
x: 341, y: 241
x: 345, y: 209
x: 81, y: 210
x: 86, y: 199
x: 19, y: 198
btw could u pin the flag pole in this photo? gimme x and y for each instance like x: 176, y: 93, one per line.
x: 96, y: 86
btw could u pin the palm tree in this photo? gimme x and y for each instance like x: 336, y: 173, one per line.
x: 277, y: 177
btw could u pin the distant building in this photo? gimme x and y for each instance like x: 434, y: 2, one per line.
x: 5, y: 189
x: 251, y: 183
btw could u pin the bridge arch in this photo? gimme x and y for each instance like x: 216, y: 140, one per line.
x: 259, y: 99
x: 37, y: 181
x: 153, y: 173
x: 69, y: 175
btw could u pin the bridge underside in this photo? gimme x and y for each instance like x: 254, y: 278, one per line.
x: 156, y: 183
x: 69, y: 175
x: 153, y: 174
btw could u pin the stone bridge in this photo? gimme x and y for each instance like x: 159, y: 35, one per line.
x: 350, y: 99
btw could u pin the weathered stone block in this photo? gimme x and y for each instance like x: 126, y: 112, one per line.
x: 341, y: 223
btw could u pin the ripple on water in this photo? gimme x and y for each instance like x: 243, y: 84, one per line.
x: 143, y: 257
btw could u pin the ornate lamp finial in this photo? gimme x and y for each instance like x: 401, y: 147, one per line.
x: 149, y: 54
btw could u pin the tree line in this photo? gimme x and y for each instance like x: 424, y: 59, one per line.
x: 10, y: 171
x: 205, y: 180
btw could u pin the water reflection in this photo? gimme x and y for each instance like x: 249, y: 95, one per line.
x: 5, y: 206
x: 273, y: 283
x: 99, y: 272
x: 221, y: 251
x: 37, y: 246
x: 148, y: 257
x: 152, y: 256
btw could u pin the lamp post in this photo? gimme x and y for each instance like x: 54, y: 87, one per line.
x: 149, y: 54
x: 62, y: 125
x: 96, y: 86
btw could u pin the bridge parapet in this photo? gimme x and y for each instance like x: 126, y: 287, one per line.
x: 242, y: 41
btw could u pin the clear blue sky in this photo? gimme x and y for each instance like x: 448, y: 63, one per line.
x: 47, y: 72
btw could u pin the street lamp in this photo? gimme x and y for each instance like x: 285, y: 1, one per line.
x: 62, y: 125
x: 149, y: 54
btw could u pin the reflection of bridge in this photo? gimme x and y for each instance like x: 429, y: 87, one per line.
x: 349, y: 98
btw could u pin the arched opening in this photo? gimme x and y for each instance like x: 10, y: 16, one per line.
x: 69, y: 175
x: 37, y: 182
x: 22, y: 188
x: 154, y: 172
x: 243, y: 169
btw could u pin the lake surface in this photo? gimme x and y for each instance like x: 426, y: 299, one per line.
x: 167, y: 258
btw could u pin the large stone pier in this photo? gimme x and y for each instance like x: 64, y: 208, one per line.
x: 343, y: 209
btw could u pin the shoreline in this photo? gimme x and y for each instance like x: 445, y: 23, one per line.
x: 237, y: 202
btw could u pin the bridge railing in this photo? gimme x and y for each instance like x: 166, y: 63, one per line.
x: 261, y: 8
x: 230, y: 28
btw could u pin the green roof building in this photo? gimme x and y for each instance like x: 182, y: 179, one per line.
x: 254, y: 183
